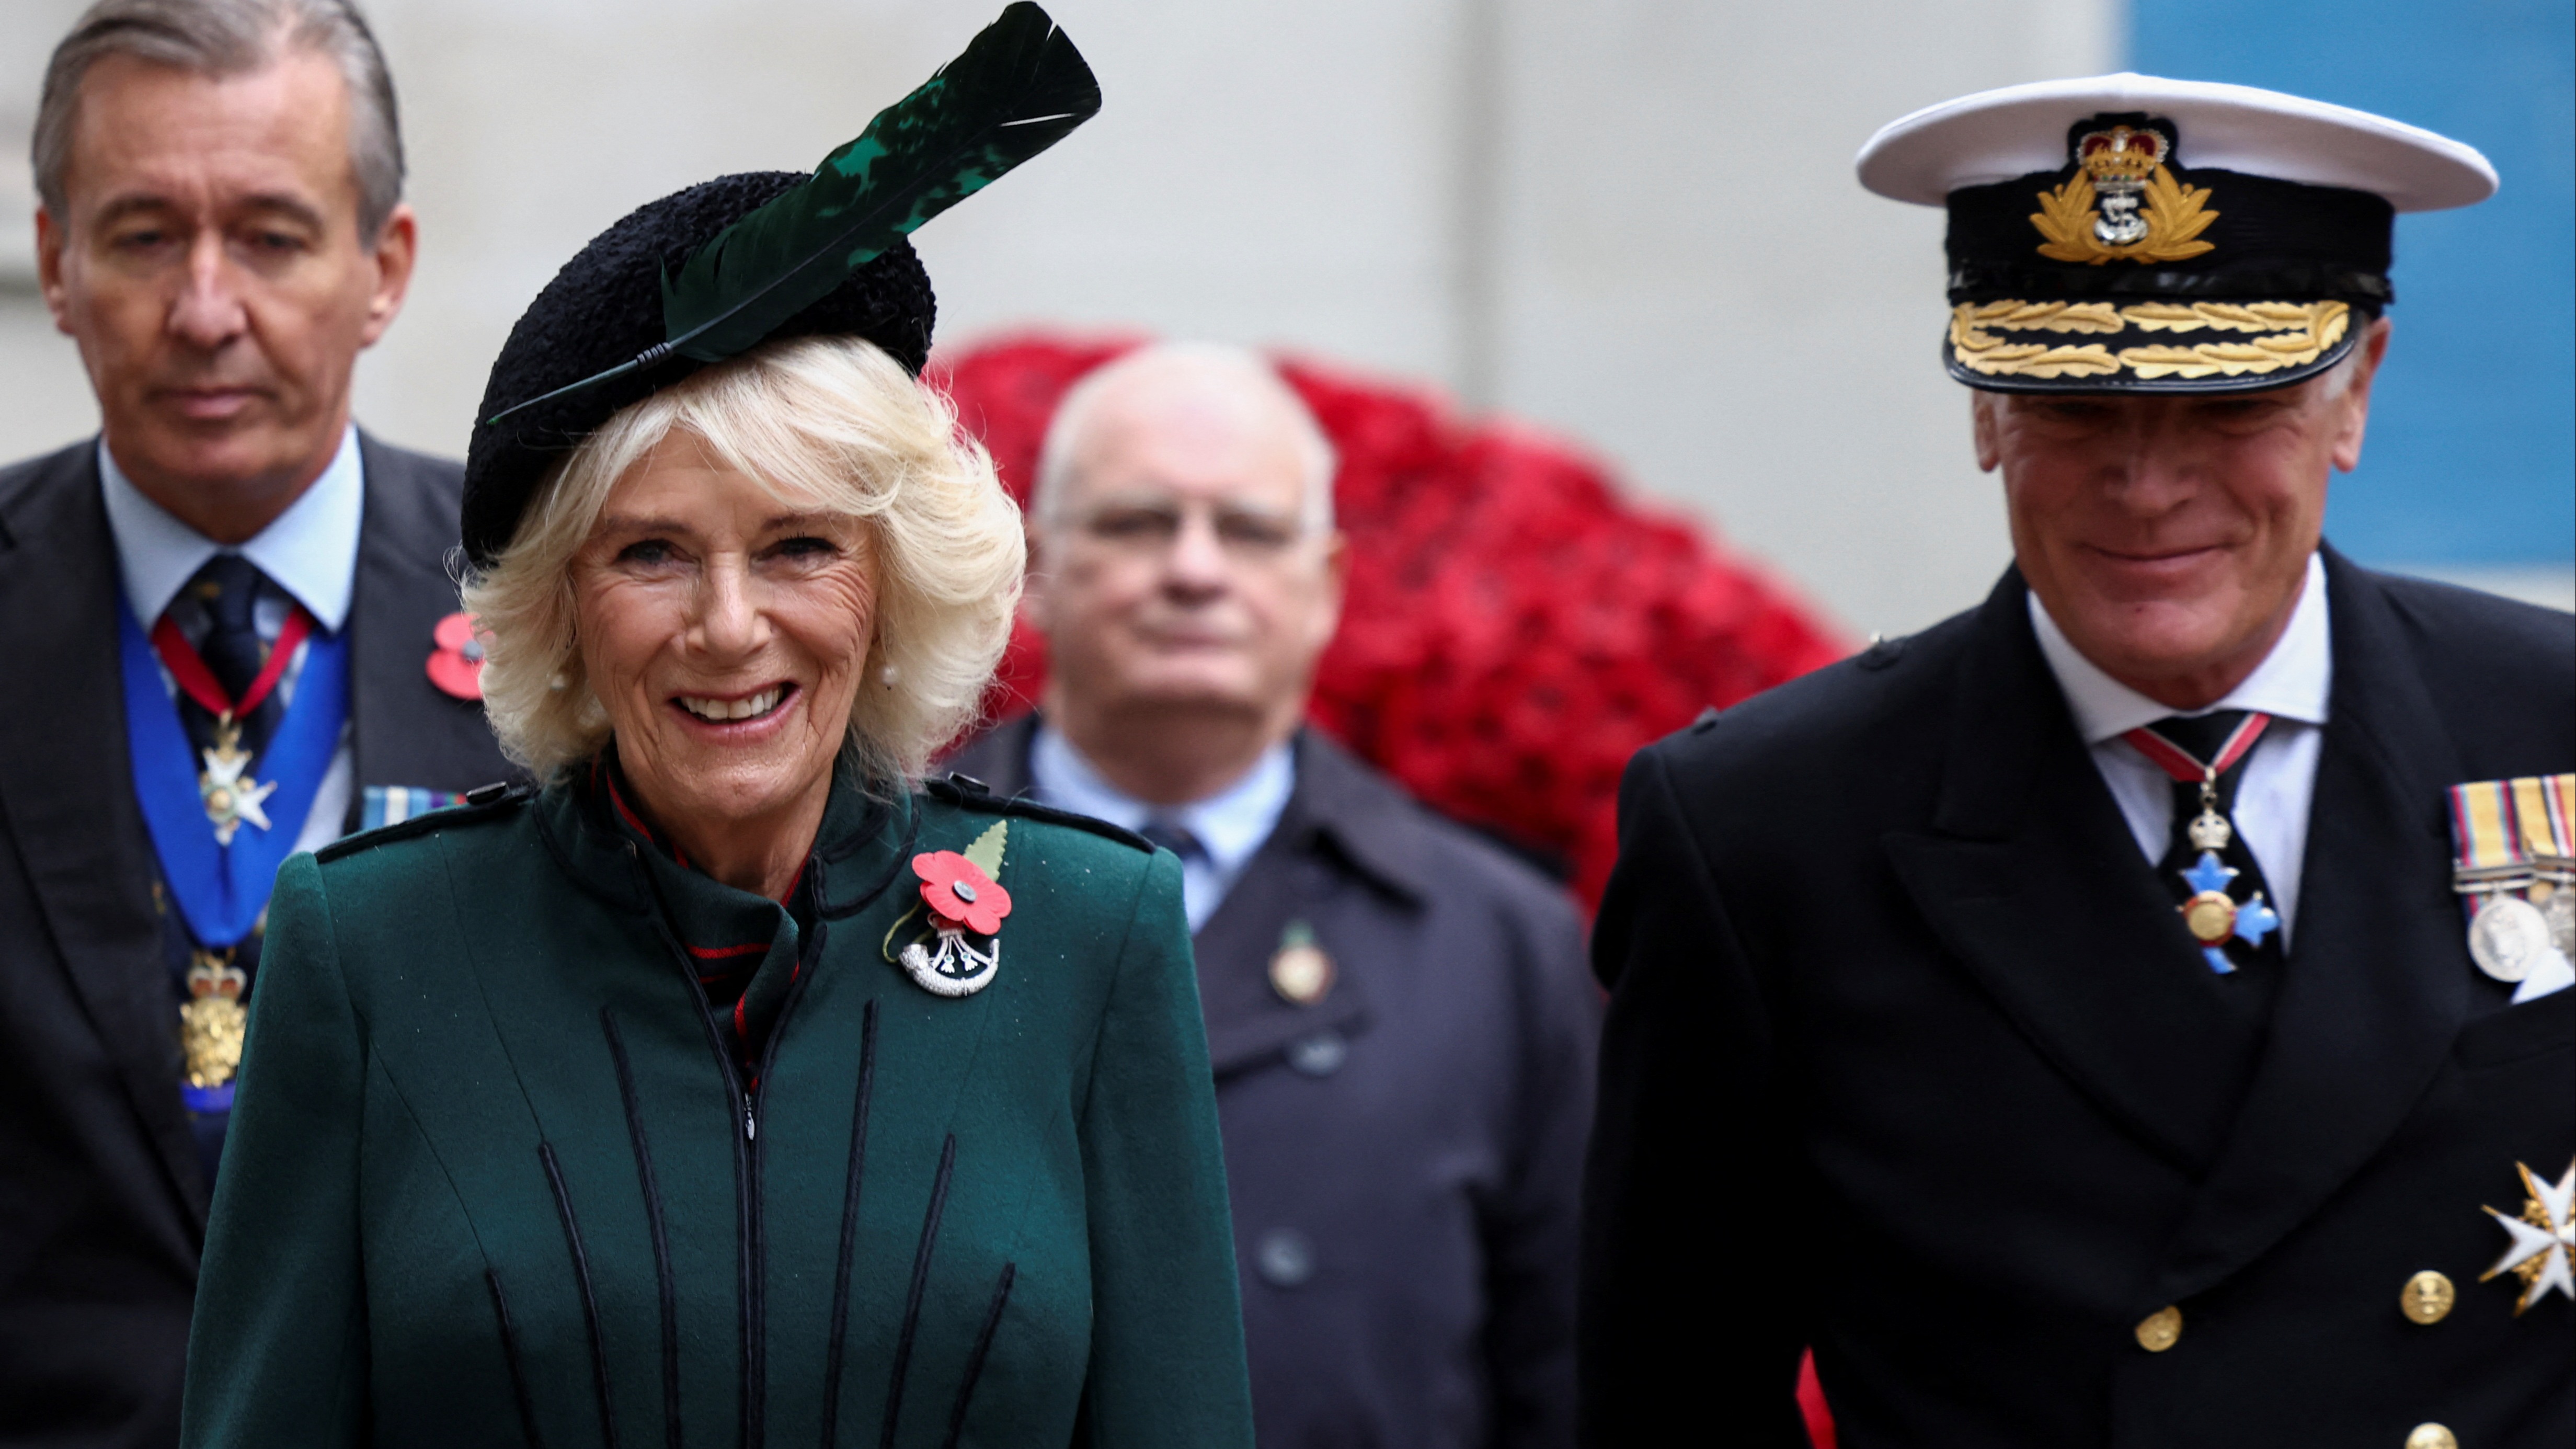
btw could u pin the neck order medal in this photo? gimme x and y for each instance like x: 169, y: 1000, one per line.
x: 231, y: 796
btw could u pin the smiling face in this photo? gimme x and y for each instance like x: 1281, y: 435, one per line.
x: 2169, y: 536
x: 725, y: 634
x: 209, y: 264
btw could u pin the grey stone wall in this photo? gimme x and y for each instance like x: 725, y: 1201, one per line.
x: 1629, y: 221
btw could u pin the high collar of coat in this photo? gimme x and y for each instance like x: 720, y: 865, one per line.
x: 863, y: 843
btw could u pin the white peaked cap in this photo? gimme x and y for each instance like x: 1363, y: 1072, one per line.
x: 2002, y: 134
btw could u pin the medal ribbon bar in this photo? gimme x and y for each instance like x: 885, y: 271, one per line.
x: 2486, y: 838
x: 2541, y: 806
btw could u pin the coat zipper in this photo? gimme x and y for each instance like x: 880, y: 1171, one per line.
x: 746, y: 1153
x: 745, y: 1175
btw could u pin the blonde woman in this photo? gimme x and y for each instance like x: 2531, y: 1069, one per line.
x: 732, y: 1087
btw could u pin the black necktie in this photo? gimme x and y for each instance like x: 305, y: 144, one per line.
x: 228, y: 586
x: 2196, y: 873
x: 1173, y: 836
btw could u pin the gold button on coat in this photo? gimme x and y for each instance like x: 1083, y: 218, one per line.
x: 2161, y: 1329
x: 2427, y: 1297
x: 2432, y: 1436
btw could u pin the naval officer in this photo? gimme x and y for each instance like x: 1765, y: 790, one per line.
x: 2134, y: 1011
x: 225, y: 615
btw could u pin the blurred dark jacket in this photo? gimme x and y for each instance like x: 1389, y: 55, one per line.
x: 1404, y: 1155
x: 102, y: 1198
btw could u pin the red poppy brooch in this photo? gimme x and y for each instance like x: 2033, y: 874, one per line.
x: 456, y: 664
x: 959, y: 899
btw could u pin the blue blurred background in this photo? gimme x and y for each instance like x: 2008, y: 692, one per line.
x: 2471, y: 461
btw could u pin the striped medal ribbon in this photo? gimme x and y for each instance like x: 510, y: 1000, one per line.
x: 2514, y: 865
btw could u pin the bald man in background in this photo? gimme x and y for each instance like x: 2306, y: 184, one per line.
x: 1397, y: 1011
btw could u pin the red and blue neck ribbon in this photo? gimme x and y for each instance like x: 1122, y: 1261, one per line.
x: 220, y: 889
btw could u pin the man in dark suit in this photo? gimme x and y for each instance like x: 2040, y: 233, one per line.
x: 1396, y: 1010
x: 224, y: 617
x: 2069, y: 1020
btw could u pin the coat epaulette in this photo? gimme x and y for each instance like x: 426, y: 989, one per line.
x: 968, y: 793
x: 481, y: 803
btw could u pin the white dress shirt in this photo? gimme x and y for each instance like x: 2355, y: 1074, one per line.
x: 2280, y: 780
x: 309, y: 552
x: 1230, y: 825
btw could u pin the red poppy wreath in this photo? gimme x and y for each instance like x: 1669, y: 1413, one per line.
x: 1514, y: 628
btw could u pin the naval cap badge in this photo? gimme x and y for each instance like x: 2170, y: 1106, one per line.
x: 2122, y: 203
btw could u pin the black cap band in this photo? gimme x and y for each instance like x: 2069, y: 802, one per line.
x: 2127, y: 270
x: 2271, y: 240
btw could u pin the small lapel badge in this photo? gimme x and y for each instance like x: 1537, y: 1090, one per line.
x: 2544, y: 1236
x: 2514, y: 864
x: 1299, y: 970
x: 456, y: 664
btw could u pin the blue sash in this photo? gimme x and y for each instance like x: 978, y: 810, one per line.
x: 221, y: 889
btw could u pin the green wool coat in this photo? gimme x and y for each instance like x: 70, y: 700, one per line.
x: 494, y: 1177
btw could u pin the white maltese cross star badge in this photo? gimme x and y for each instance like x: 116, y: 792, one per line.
x: 2543, y: 1238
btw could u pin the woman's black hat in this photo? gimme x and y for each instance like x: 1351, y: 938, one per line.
x: 707, y: 274
x: 605, y: 307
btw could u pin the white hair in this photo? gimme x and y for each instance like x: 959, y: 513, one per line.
x: 1248, y: 372
x: 2339, y: 377
x: 831, y: 422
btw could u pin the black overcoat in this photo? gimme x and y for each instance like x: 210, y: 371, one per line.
x: 1403, y: 1156
x: 102, y: 1200
x: 1910, y: 1057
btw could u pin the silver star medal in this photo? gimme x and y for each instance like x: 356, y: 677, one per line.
x: 230, y: 796
x: 2543, y: 1238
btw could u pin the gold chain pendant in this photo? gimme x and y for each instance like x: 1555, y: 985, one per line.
x: 212, y: 1022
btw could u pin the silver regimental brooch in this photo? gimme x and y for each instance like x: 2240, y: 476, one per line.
x: 961, y: 905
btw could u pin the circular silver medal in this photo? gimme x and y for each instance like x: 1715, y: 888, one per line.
x: 2506, y: 937
x: 2560, y: 912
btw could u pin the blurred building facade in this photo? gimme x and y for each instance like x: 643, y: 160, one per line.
x: 1630, y: 221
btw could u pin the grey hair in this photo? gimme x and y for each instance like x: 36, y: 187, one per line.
x: 228, y: 38
x: 1240, y: 365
